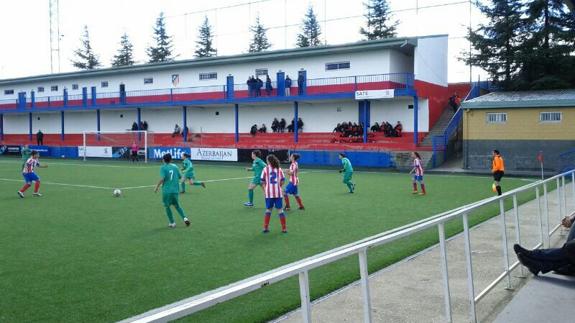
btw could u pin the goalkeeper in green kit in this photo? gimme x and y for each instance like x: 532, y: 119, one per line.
x: 170, y: 182
x: 347, y: 171
x: 189, y: 174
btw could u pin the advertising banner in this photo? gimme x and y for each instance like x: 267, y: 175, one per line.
x: 101, y: 152
x: 214, y: 154
x: 10, y: 150
x: 374, y: 94
x: 159, y: 152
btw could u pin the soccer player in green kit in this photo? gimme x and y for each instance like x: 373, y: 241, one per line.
x: 189, y: 174
x: 170, y: 182
x: 347, y: 171
x: 257, y: 167
x: 26, y: 153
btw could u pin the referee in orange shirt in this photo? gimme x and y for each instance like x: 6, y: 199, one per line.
x: 498, y: 168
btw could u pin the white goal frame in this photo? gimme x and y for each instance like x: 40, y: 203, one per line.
x: 144, y: 133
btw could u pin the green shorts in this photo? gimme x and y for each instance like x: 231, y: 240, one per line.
x: 171, y: 199
x: 190, y: 176
x: 256, y: 180
x: 347, y: 177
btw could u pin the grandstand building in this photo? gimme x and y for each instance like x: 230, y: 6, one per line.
x: 400, y: 79
x: 524, y: 126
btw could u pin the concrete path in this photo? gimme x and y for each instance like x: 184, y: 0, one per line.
x: 412, y: 290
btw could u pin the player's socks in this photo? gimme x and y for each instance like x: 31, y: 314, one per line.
x: 36, y: 187
x: 267, y: 218
x: 414, y: 187
x: 423, y: 188
x: 286, y: 200
x: 498, y: 190
x: 199, y: 184
x: 283, y: 221
x: 24, y: 188
x: 299, y: 202
x: 170, y: 215
x: 183, y: 187
x: 181, y: 212
x: 350, y: 187
x: 251, y: 196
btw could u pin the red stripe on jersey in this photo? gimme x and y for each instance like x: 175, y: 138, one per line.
x: 273, y: 177
x: 30, y: 165
x: 418, y: 167
x: 294, y: 169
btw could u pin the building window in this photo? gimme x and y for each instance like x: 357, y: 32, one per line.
x: 40, y: 89
x: 208, y: 76
x: 550, y: 116
x: 261, y: 71
x: 8, y: 92
x: 75, y: 86
x: 497, y: 117
x: 148, y: 80
x: 54, y: 88
x: 337, y: 66
x: 104, y: 84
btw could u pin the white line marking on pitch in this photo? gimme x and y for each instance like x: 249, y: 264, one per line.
x: 59, y: 184
x: 206, y: 181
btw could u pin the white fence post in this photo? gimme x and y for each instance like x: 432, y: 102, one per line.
x: 444, y: 269
x: 517, y: 228
x: 546, y: 201
x: 470, y: 287
x: 364, y: 273
x: 539, y: 215
x: 504, y: 237
x: 304, y: 295
x: 559, y: 203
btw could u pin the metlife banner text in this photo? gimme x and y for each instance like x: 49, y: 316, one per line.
x: 211, y: 154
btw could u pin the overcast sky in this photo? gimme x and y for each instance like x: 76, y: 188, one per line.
x: 26, y: 38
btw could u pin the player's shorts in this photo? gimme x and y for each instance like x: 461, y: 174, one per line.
x: 291, y: 189
x: 256, y: 180
x: 191, y: 176
x: 274, y: 202
x: 418, y: 178
x: 347, y: 177
x: 170, y: 199
x: 30, y: 177
x: 497, y: 175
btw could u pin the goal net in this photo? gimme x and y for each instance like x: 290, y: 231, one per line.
x: 115, y: 144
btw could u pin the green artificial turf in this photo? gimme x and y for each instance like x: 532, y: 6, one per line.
x: 78, y: 254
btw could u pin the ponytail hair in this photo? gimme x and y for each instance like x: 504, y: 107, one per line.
x: 273, y: 161
x: 416, y: 154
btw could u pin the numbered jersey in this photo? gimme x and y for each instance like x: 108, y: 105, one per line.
x: 273, y: 179
x: 171, y: 176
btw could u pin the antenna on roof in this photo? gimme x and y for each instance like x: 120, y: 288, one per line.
x: 54, y: 13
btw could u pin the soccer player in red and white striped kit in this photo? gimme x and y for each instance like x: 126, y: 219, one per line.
x: 272, y: 180
x: 292, y: 186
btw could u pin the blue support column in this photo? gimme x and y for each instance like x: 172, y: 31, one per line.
x: 32, y: 99
x: 22, y: 100
x: 296, y: 116
x: 139, y: 117
x: 98, y: 125
x: 230, y: 87
x: 62, y: 135
x: 30, y: 126
x: 237, y: 122
x: 1, y: 126
x: 365, y: 120
x: 415, y: 120
x: 185, y: 123
x: 84, y: 96
x: 281, y: 83
x: 123, y: 94
x: 94, y: 96
x: 302, y: 82
x: 65, y: 95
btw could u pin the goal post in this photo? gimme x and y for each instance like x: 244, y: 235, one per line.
x: 114, y: 144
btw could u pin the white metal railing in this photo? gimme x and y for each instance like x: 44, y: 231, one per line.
x: 301, y: 268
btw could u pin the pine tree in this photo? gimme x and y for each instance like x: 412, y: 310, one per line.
x: 379, y: 24
x: 309, y: 36
x: 497, y: 44
x: 85, y: 57
x: 260, y: 41
x: 162, y: 51
x: 204, y: 47
x: 125, y: 56
x: 548, y: 59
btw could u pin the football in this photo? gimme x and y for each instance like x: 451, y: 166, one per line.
x: 117, y: 193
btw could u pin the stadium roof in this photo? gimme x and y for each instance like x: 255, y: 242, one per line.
x: 406, y: 45
x: 523, y: 99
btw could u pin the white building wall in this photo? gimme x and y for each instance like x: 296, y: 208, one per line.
x: 431, y: 60
x: 397, y: 110
x: 16, y: 124
x: 162, y: 119
x: 263, y: 114
x: 117, y: 120
x: 323, y: 117
x: 49, y: 123
x: 78, y: 122
x: 400, y: 62
x: 204, y: 119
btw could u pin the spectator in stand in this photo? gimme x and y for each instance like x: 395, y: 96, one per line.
x: 141, y: 126
x: 254, y: 130
x: 275, y: 125
x: 263, y: 129
x: 177, y: 131
x: 337, y: 128
x: 375, y: 127
x: 300, y: 84
x: 290, y: 128
x: 398, y: 129
x: 299, y: 125
x: 288, y: 86
x: 282, y: 125
x: 259, y: 84
x: 269, y: 87
x: 134, y: 126
x: 145, y: 126
x: 250, y: 85
x: 185, y: 133
x: 40, y: 138
x: 455, y: 101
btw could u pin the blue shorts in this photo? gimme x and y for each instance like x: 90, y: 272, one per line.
x: 291, y: 189
x: 274, y: 202
x: 30, y: 177
x: 418, y: 178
